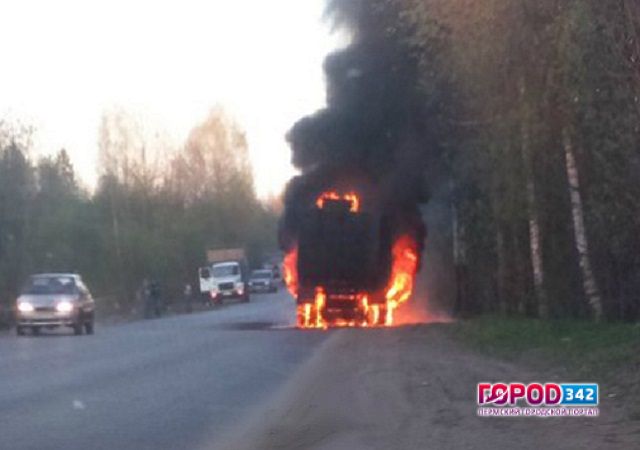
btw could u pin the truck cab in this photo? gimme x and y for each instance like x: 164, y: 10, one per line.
x: 225, y: 280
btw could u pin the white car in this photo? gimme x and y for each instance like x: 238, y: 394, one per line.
x: 51, y: 300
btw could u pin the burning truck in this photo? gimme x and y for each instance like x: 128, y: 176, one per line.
x: 352, y: 230
x: 347, y: 262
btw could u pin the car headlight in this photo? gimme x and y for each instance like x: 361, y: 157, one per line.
x: 64, y: 307
x: 25, y: 307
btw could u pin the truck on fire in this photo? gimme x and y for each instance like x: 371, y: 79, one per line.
x: 225, y: 276
x: 348, y: 267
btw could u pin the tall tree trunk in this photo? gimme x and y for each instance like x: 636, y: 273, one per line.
x: 462, y: 301
x: 535, y: 239
x: 501, y: 254
x: 115, y: 224
x: 590, y: 286
x: 520, y: 272
x: 632, y: 13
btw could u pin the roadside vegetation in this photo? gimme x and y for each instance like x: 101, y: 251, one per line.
x: 153, y: 213
x: 564, y: 350
x: 591, y: 349
x: 529, y: 113
x: 533, y: 141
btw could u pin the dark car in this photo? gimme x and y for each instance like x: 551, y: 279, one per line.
x: 53, y: 300
x: 262, y: 281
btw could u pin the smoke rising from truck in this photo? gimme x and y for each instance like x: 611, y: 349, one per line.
x: 371, y: 141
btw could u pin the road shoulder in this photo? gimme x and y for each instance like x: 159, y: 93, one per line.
x: 410, y: 388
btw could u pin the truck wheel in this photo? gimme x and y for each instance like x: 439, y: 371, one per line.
x: 35, y: 331
x: 89, y: 327
x: 20, y: 330
x: 246, y: 298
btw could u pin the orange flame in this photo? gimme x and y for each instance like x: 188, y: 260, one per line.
x: 290, y: 269
x: 403, y: 271
x: 305, y: 318
x: 375, y: 315
x: 364, y: 307
x: 351, y: 197
x: 397, y: 292
x: 368, y: 312
x: 321, y: 300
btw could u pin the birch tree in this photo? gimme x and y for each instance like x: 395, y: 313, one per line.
x: 589, y: 283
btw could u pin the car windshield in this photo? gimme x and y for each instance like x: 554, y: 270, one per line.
x: 261, y: 274
x: 226, y: 270
x: 50, y: 285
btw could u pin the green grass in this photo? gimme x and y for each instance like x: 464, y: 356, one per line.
x: 574, y: 350
x: 582, y: 346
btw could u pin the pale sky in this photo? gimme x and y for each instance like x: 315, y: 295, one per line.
x: 169, y: 62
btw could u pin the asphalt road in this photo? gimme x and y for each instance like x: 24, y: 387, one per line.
x: 178, y: 382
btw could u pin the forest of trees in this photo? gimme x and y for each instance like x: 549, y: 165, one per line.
x: 153, y: 213
x: 532, y: 128
x: 534, y: 111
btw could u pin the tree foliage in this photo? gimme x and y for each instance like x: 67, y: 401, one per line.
x: 154, y: 212
x: 519, y: 83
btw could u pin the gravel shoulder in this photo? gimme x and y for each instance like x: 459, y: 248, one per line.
x: 413, y: 388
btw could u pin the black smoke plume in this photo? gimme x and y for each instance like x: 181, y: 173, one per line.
x: 374, y: 135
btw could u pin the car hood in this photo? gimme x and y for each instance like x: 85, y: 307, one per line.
x: 45, y: 300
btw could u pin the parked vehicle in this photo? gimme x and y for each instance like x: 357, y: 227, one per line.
x: 263, y: 281
x: 275, y: 270
x: 53, y: 300
x: 227, y: 276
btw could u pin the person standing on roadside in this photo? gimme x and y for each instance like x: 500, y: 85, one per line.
x: 156, y: 299
x: 188, y: 297
x: 147, y: 301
